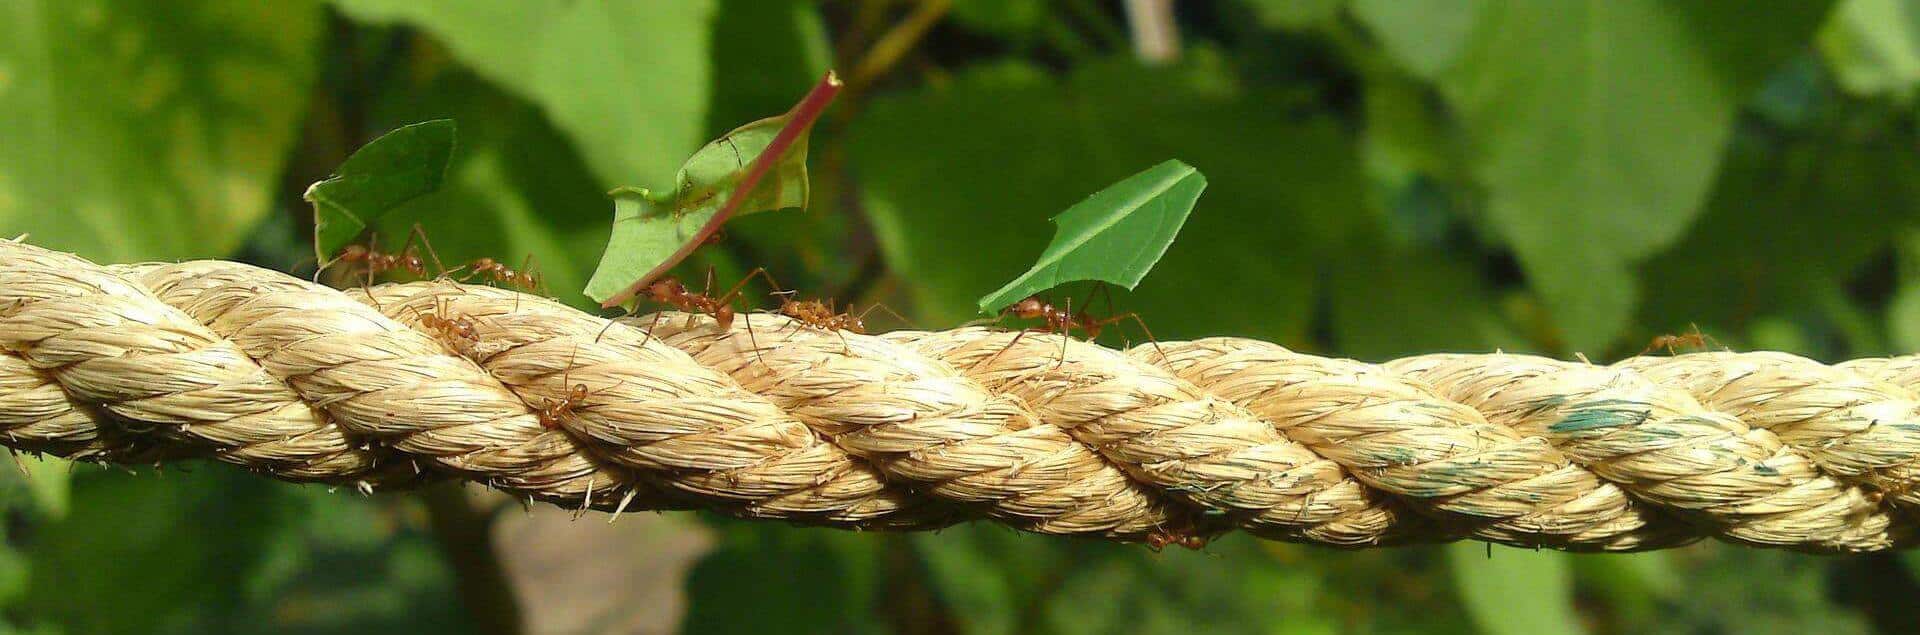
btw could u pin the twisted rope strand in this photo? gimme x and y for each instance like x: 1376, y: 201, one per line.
x: 771, y: 418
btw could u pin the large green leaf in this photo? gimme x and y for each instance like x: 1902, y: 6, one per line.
x: 389, y: 171
x: 957, y: 181
x: 148, y: 130
x: 1598, y: 127
x: 628, y: 81
x: 1873, y: 46
x: 1514, y: 591
x: 1788, y: 221
x: 1114, y: 236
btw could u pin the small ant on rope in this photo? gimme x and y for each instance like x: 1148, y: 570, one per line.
x: 671, y: 292
x: 459, y: 330
x: 526, y: 279
x: 554, y: 414
x: 1160, y: 538
x: 375, y: 262
x: 1673, y: 343
x: 1063, y: 321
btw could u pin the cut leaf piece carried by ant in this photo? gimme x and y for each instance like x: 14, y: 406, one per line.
x: 1064, y: 320
x: 1673, y: 343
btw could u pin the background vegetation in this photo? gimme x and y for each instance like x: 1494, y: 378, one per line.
x: 1387, y: 177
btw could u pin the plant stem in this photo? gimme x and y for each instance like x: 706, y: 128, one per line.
x: 465, y: 535
x: 1156, y: 39
x: 799, y: 119
x: 895, y: 43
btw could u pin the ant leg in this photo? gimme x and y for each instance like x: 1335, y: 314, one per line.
x: 862, y: 317
x: 1138, y: 322
x: 603, y: 332
x: 760, y: 272
x: 421, y: 233
x: 1009, y: 346
x: 1066, y: 333
x: 656, y: 323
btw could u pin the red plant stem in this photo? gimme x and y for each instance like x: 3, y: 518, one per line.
x: 799, y: 119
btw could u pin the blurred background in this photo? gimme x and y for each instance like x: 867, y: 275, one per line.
x: 1387, y: 177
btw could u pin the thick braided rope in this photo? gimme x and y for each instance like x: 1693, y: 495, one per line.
x: 916, y: 430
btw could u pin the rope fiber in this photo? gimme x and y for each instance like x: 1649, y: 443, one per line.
x: 397, y: 385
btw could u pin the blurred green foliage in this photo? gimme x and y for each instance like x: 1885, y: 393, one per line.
x: 1386, y: 177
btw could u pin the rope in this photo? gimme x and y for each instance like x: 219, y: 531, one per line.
x: 401, y: 384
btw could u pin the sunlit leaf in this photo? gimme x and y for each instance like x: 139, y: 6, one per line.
x: 1595, y: 157
x: 1114, y: 236
x: 627, y: 81
x: 389, y: 171
x: 1514, y: 591
x: 1873, y: 46
x: 148, y: 130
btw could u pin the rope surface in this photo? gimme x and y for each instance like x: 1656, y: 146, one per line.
x: 401, y: 384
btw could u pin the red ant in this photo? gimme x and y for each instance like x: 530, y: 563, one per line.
x: 460, y: 329
x: 1160, y: 538
x: 526, y: 279
x: 377, y: 262
x: 671, y: 292
x: 1673, y: 343
x: 554, y: 415
x: 557, y: 412
x: 1063, y: 321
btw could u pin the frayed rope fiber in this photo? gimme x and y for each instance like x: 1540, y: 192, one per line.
x: 138, y: 364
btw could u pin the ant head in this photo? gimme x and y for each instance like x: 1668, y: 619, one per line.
x: 665, y: 289
x: 723, y: 317
x: 1193, y: 542
x: 412, y: 262
x: 1158, y: 540
x: 855, y: 324
x: 1032, y: 307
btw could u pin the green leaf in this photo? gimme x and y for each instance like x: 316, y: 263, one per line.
x: 1424, y: 36
x: 1297, y: 14
x: 50, y: 482
x: 516, y: 189
x: 189, y: 539
x: 652, y: 228
x: 148, y: 130
x: 1873, y: 46
x: 627, y: 81
x: 1599, y: 126
x: 1515, y: 591
x: 827, y: 582
x: 1860, y: 180
x: 1286, y: 189
x: 397, y: 167
x: 775, y: 49
x: 1115, y: 236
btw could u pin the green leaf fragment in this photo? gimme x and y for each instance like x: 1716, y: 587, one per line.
x: 397, y: 167
x: 1114, y: 236
x: 648, y: 226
